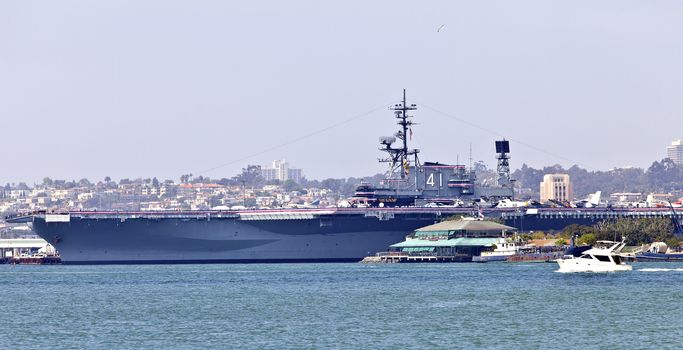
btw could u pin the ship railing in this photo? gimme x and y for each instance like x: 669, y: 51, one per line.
x: 423, y: 254
x: 392, y: 254
x: 395, y: 254
x: 23, y: 214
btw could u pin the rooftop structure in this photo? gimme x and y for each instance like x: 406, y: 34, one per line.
x: 463, y: 228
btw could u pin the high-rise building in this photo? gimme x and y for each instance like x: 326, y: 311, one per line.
x: 281, y: 171
x: 295, y: 175
x: 675, y: 151
x: 556, y: 187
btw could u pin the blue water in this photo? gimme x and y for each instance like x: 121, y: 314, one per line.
x: 495, y: 305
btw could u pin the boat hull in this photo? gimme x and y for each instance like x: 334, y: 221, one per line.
x: 490, y: 258
x: 337, y: 234
x: 590, y: 265
x: 226, y: 240
x: 659, y: 257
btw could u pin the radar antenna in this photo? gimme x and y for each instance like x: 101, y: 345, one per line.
x: 503, y: 168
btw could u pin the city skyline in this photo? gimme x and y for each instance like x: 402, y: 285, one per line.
x: 210, y: 88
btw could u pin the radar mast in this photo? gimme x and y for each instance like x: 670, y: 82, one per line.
x: 503, y: 169
x: 399, y: 158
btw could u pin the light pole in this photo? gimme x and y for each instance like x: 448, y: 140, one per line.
x: 244, y: 193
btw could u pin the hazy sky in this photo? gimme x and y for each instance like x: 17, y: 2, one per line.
x: 163, y: 88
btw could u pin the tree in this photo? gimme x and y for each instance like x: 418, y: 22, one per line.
x: 538, y: 235
x: 185, y: 178
x: 577, y: 230
x: 224, y: 181
x: 47, y: 182
x: 637, y: 231
x: 107, y: 179
x: 587, y: 239
x: 250, y: 176
x: 200, y: 180
x: 673, y: 243
x: 155, y: 182
x: 655, y: 174
x: 290, y: 185
x: 480, y: 166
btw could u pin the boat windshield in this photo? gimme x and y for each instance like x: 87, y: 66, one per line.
x: 603, y: 258
x: 586, y: 256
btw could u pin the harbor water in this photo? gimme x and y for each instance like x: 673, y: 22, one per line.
x: 347, y: 306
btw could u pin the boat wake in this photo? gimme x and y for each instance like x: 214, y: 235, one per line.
x: 661, y: 270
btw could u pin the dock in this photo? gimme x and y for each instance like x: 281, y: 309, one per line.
x: 31, y: 251
x: 423, y: 257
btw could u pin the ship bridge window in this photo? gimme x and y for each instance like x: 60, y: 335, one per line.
x: 602, y: 258
x: 586, y: 257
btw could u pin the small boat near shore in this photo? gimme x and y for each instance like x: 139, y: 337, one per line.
x: 535, y: 257
x: 659, y: 257
x: 603, y: 257
x: 659, y: 252
x: 501, y: 251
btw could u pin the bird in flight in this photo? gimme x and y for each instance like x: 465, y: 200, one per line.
x: 440, y: 27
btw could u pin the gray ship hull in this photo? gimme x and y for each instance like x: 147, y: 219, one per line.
x: 201, y: 239
x: 273, y: 236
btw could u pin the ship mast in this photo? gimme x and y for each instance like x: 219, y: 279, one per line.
x: 399, y: 157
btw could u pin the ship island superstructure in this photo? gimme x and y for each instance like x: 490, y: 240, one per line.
x: 409, y: 182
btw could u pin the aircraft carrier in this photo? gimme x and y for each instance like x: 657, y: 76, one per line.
x: 413, y: 195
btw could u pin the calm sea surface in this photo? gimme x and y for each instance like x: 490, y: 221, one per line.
x: 495, y: 305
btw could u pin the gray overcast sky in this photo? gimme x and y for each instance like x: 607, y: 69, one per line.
x: 163, y: 88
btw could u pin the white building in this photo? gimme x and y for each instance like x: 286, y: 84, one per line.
x: 556, y: 187
x: 281, y: 171
x: 675, y: 151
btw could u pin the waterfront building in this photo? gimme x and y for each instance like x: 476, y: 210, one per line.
x: 280, y: 170
x: 675, y: 151
x: 556, y: 187
x: 451, y: 240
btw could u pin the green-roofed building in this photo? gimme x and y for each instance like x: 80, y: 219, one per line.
x: 447, y: 241
x: 462, y: 228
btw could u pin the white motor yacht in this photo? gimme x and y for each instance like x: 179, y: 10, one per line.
x: 504, y: 249
x: 603, y: 257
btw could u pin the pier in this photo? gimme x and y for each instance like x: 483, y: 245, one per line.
x: 420, y: 257
x: 20, y: 250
